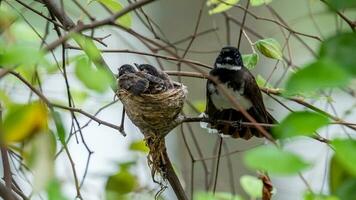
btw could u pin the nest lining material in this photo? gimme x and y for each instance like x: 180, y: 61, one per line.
x: 155, y: 115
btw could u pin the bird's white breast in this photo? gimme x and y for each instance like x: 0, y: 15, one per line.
x: 221, y: 102
x: 228, y: 66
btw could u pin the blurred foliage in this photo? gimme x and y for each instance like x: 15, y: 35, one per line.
x: 220, y: 6
x: 322, y: 74
x: 139, y: 146
x: 96, y: 79
x: 341, y: 49
x: 303, y: 123
x: 54, y: 191
x: 311, y: 196
x: 199, y: 105
x: 59, y: 126
x: 342, y: 4
x: 343, y: 149
x: 252, y: 186
x: 259, y: 2
x: 115, y: 6
x: 121, y: 183
x: 38, y: 155
x: 216, y: 196
x: 22, y: 121
x: 342, y: 182
x: 250, y: 60
x: 274, y: 160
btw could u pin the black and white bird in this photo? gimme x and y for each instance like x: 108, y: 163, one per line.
x: 241, y: 84
x: 146, y: 80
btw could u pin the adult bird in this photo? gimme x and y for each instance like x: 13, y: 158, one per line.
x: 241, y: 84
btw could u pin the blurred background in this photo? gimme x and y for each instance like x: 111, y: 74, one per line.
x: 176, y: 21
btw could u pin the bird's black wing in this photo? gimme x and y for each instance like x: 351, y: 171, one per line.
x: 253, y: 93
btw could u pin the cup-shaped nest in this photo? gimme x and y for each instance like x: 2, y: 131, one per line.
x: 154, y: 113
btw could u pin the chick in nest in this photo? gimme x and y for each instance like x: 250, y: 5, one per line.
x: 148, y: 80
x: 157, y: 73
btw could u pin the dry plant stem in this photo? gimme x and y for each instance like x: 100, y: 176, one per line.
x: 72, y: 28
x: 7, y: 194
x: 186, y: 61
x: 242, y: 25
x: 218, y: 164
x: 347, y: 20
x: 191, y: 40
x: 6, y: 166
x: 173, y: 178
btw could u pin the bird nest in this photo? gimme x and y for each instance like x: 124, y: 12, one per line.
x: 155, y: 115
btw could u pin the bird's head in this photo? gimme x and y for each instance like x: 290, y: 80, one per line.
x: 229, y: 58
x: 126, y: 69
x: 149, y: 69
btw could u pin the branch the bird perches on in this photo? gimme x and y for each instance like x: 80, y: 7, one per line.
x: 155, y: 115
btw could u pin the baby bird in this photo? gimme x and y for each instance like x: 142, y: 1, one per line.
x: 159, y: 81
x: 157, y: 73
x: 131, y: 80
x: 147, y: 80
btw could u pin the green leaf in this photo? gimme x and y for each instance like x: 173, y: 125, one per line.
x: 123, y: 182
x: 54, y: 191
x: 270, y: 48
x: 344, y: 152
x: 115, y: 6
x: 311, y: 196
x: 261, y: 82
x: 252, y: 186
x: 24, y: 34
x: 221, y: 6
x: 338, y: 174
x: 347, y: 190
x: 23, y: 121
x: 199, y: 105
x: 79, y: 96
x: 59, y: 126
x: 217, y: 196
x: 321, y: 74
x: 301, y: 123
x: 95, y: 79
x: 250, y: 60
x: 7, y: 17
x: 125, y: 166
x: 259, y: 2
x: 342, y: 4
x: 273, y: 160
x: 139, y: 145
x: 39, y: 155
x: 20, y: 54
x: 88, y: 46
x: 341, y: 49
